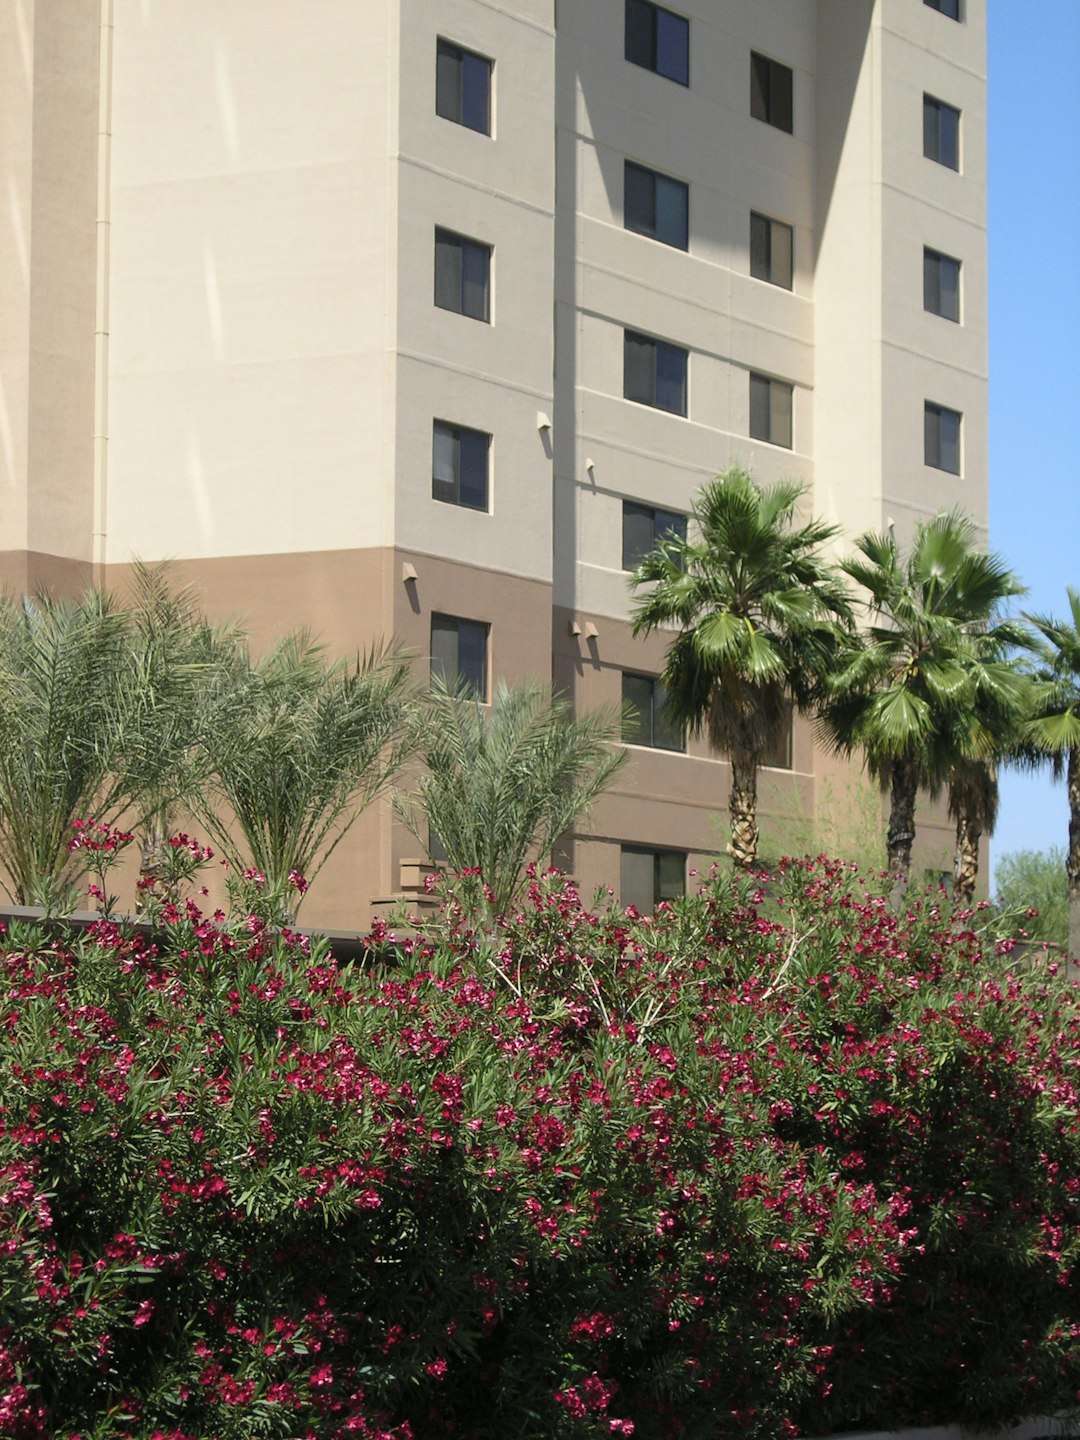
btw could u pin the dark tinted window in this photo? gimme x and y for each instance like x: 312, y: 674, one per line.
x: 658, y: 39
x: 770, y: 410
x: 941, y: 429
x: 654, y: 372
x: 771, y: 251
x: 656, y: 205
x: 941, y: 285
x: 941, y: 132
x: 463, y: 87
x: 645, y: 720
x: 771, y: 92
x: 459, y: 653
x: 462, y: 275
x: 951, y: 8
x: 459, y: 465
x: 643, y: 527
x: 649, y: 876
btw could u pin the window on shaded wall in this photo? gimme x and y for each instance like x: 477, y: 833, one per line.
x: 951, y: 8
x: 941, y: 285
x: 462, y: 275
x: 656, y: 205
x: 643, y: 527
x: 459, y: 654
x: 772, y: 91
x: 779, y: 754
x: 459, y: 465
x: 463, y: 87
x: 648, y: 876
x: 941, y: 132
x: 770, y: 410
x: 658, y: 39
x: 941, y: 430
x: 654, y: 372
x: 645, y: 720
x: 771, y: 251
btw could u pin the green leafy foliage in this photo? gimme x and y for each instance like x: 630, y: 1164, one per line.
x: 1031, y: 894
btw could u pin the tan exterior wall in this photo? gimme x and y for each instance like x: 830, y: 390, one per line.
x: 220, y: 344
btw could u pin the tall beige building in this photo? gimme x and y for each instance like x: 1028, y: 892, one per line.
x: 423, y: 317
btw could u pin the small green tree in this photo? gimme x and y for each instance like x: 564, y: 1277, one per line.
x: 757, y: 611
x: 295, y: 749
x: 1034, y: 880
x: 505, y: 781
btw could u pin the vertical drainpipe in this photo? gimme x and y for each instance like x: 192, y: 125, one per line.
x: 101, y: 309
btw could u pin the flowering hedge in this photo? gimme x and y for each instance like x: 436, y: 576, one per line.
x: 765, y: 1163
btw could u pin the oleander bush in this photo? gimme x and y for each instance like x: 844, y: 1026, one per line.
x: 772, y: 1161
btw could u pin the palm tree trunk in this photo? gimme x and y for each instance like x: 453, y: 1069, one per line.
x: 966, y: 863
x: 905, y: 786
x: 1072, y: 859
x: 155, y: 849
x: 742, y: 803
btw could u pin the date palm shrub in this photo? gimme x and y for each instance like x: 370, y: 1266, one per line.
x: 914, y: 693
x: 294, y: 749
x: 1055, y: 730
x: 503, y: 782
x: 721, y: 1171
x: 66, y: 722
x: 756, y: 613
x: 180, y: 664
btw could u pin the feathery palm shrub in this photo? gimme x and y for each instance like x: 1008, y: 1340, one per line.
x: 66, y: 720
x: 505, y: 781
x: 296, y: 748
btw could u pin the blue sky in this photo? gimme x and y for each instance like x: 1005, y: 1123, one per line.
x: 1034, y: 236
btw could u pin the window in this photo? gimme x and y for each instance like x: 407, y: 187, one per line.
x: 645, y: 720
x: 654, y: 372
x: 771, y: 250
x: 770, y: 410
x: 459, y: 465
x: 658, y: 39
x: 771, y: 92
x: 778, y: 755
x: 462, y: 275
x: 941, y: 132
x: 942, y: 438
x: 941, y: 285
x: 655, y: 205
x: 951, y: 8
x: 463, y: 87
x: 459, y: 654
x: 648, y: 876
x: 643, y: 528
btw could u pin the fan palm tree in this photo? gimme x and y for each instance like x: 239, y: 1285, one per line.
x: 505, y: 781
x: 65, y: 721
x: 988, y: 730
x: 757, y: 611
x: 1055, y: 732
x: 296, y: 748
x: 917, y: 693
